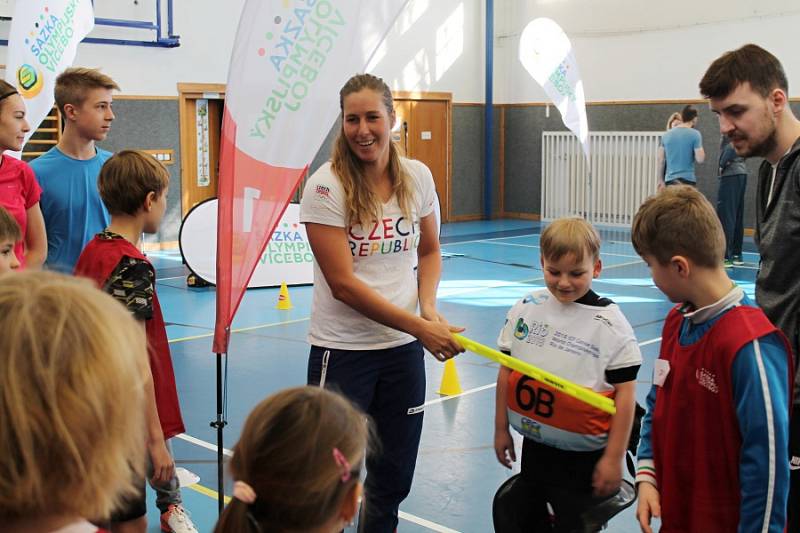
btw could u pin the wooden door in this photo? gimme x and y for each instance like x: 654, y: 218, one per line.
x: 200, y: 139
x: 402, y: 110
x: 424, y: 131
x: 428, y: 141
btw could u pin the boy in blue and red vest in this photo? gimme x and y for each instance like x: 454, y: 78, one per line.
x: 714, y: 439
x: 133, y: 186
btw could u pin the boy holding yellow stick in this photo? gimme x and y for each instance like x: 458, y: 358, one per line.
x: 572, y: 453
x: 714, y: 439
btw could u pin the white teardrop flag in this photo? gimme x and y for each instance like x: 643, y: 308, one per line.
x: 42, y: 43
x: 547, y: 55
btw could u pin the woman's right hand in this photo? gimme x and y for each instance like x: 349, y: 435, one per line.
x: 437, y: 337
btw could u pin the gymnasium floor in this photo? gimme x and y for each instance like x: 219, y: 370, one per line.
x: 492, y: 265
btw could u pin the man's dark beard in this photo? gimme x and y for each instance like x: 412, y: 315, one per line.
x: 765, y: 147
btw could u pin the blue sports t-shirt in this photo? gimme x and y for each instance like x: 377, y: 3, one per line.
x: 72, y: 208
x: 679, y: 146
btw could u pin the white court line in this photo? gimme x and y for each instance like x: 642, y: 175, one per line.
x: 489, y: 241
x: 165, y: 257
x: 651, y: 341
x: 433, y: 526
x: 465, y: 393
x: 629, y: 263
x: 537, y: 246
x: 203, y: 444
x: 514, y: 244
x: 522, y: 281
x: 173, y: 277
x: 239, y: 330
x: 485, y: 240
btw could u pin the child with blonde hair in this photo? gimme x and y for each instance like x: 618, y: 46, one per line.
x: 73, y: 211
x: 69, y: 353
x: 572, y: 454
x: 297, y: 465
x: 9, y: 235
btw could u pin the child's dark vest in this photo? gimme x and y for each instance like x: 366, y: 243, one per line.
x: 695, y: 436
x: 97, y: 262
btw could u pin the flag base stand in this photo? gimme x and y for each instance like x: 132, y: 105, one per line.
x: 219, y: 424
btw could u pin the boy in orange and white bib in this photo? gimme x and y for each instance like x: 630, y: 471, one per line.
x: 572, y: 453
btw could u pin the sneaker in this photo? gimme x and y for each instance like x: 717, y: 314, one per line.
x: 737, y: 260
x: 727, y: 263
x: 176, y: 520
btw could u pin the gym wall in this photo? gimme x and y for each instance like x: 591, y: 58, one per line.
x: 153, y: 124
x: 646, y: 58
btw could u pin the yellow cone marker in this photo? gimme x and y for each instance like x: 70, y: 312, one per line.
x: 567, y: 387
x: 450, y: 385
x: 284, y: 302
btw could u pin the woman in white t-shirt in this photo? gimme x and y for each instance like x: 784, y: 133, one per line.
x: 369, y: 213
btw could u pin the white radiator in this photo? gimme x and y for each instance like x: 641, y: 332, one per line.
x: 624, y: 173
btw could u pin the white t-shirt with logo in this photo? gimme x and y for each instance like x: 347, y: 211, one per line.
x: 384, y: 256
x: 574, y: 341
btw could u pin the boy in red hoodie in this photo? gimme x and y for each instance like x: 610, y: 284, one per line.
x: 133, y: 186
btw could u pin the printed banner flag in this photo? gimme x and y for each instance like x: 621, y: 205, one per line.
x: 42, y: 43
x: 546, y: 53
x: 288, y: 63
x: 286, y: 259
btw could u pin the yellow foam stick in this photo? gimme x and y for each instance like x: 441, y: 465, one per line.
x: 567, y: 387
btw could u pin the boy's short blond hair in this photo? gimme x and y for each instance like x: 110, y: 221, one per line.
x: 72, y: 84
x: 573, y: 235
x: 127, y: 178
x: 71, y: 398
x: 9, y: 229
x: 679, y: 220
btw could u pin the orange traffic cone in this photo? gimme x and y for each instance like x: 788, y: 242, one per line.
x: 284, y: 302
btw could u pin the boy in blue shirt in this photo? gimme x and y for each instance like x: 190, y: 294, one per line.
x: 72, y: 208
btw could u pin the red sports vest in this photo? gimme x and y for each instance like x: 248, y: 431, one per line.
x: 695, y: 432
x: 97, y: 262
